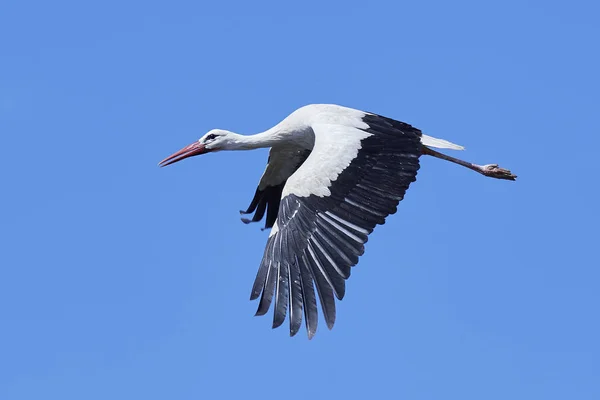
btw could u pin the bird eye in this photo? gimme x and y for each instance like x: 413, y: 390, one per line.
x: 211, y: 136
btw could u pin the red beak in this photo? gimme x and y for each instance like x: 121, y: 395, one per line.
x: 193, y: 149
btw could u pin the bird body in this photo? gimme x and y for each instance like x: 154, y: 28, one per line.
x: 333, y: 174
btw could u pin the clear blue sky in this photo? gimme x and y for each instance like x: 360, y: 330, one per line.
x: 120, y: 280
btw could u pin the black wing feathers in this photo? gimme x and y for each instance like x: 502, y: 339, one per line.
x: 268, y: 194
x: 268, y: 200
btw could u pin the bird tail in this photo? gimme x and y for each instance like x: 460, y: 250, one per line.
x: 439, y: 143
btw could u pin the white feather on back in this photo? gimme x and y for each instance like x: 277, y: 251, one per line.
x: 335, y: 148
x: 337, y: 135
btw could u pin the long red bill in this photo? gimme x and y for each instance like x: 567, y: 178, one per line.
x: 193, y: 149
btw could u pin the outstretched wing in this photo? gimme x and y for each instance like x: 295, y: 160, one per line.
x: 282, y: 163
x: 357, y: 173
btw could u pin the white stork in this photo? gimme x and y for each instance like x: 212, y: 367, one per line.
x: 333, y: 174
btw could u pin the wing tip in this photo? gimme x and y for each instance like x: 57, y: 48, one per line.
x: 254, y: 295
x: 294, y: 330
x: 260, y: 312
x: 277, y: 323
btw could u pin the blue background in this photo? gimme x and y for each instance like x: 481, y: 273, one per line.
x: 121, y: 280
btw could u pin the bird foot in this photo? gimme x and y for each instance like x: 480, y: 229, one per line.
x: 494, y: 171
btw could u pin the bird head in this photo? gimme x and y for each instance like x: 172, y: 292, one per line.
x: 214, y: 140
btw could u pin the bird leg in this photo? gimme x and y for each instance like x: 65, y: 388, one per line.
x: 491, y: 170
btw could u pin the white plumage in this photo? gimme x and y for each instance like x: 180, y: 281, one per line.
x: 333, y: 174
x: 439, y: 143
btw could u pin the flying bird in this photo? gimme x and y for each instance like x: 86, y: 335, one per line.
x: 333, y: 174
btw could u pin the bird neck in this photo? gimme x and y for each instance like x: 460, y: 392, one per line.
x: 248, y: 142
